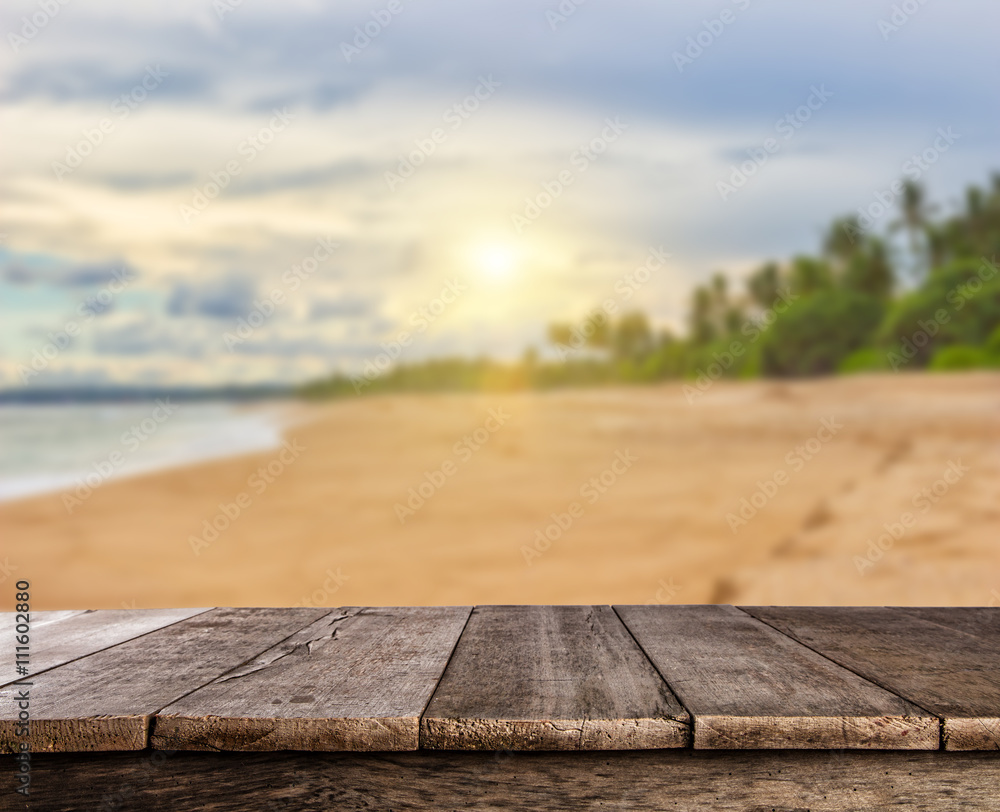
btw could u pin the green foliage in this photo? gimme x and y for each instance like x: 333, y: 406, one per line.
x: 703, y: 328
x: 841, y: 242
x: 752, y: 363
x: 867, y: 359
x: 597, y: 332
x: 993, y: 343
x: 729, y: 357
x: 958, y: 304
x: 632, y: 337
x: 670, y: 360
x: 810, y: 275
x: 819, y: 332
x: 763, y: 284
x: 962, y: 356
x: 869, y: 271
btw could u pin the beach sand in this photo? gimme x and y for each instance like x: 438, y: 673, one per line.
x: 659, y: 528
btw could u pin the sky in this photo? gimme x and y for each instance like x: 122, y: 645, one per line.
x: 217, y: 192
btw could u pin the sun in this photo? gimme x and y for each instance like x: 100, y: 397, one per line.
x: 496, y: 261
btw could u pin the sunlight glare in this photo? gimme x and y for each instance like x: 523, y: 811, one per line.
x: 497, y: 261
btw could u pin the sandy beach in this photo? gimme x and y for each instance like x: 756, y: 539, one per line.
x: 860, y: 490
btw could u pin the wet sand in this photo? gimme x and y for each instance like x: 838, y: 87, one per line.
x: 640, y: 491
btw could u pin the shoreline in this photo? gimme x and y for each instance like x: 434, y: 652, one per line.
x: 263, y: 426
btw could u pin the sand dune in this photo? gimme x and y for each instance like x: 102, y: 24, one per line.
x: 640, y: 491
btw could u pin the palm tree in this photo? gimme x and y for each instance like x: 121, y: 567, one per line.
x: 975, y: 215
x: 720, y: 289
x: 633, y: 337
x: 842, y: 242
x: 914, y: 210
x: 938, y: 248
x: 597, y: 329
x: 763, y: 284
x: 915, y: 218
x: 560, y: 334
x: 810, y: 275
x: 871, y: 272
x: 702, y: 323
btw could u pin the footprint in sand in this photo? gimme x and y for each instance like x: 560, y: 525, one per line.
x: 895, y: 454
x: 723, y: 591
x: 818, y: 516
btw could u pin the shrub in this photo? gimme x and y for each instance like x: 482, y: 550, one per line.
x: 959, y: 304
x: 867, y: 359
x: 961, y: 356
x: 817, y: 333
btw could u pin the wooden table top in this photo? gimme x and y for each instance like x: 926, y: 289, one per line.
x: 506, y: 678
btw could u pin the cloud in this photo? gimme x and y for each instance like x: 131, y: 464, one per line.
x: 229, y: 297
x: 144, y: 334
x: 346, y: 307
x: 34, y: 270
x: 612, y: 56
x: 337, y: 173
x: 86, y: 80
x: 289, y: 346
x: 142, y: 181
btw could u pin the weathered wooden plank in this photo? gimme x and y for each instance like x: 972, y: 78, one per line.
x: 550, y: 678
x: 748, y: 686
x: 55, y: 641
x: 357, y: 679
x: 641, y: 781
x: 104, y: 701
x: 9, y: 623
x: 38, y: 619
x: 980, y: 621
x: 947, y: 672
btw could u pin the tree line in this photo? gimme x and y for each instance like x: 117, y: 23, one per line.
x: 923, y: 294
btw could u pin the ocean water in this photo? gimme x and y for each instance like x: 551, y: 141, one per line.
x: 55, y: 447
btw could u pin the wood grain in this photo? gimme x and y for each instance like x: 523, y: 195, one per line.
x: 749, y: 687
x: 980, y: 621
x: 551, y: 678
x: 38, y: 619
x: 58, y: 640
x: 641, y: 781
x: 356, y: 679
x: 105, y: 701
x: 9, y: 622
x: 947, y: 672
